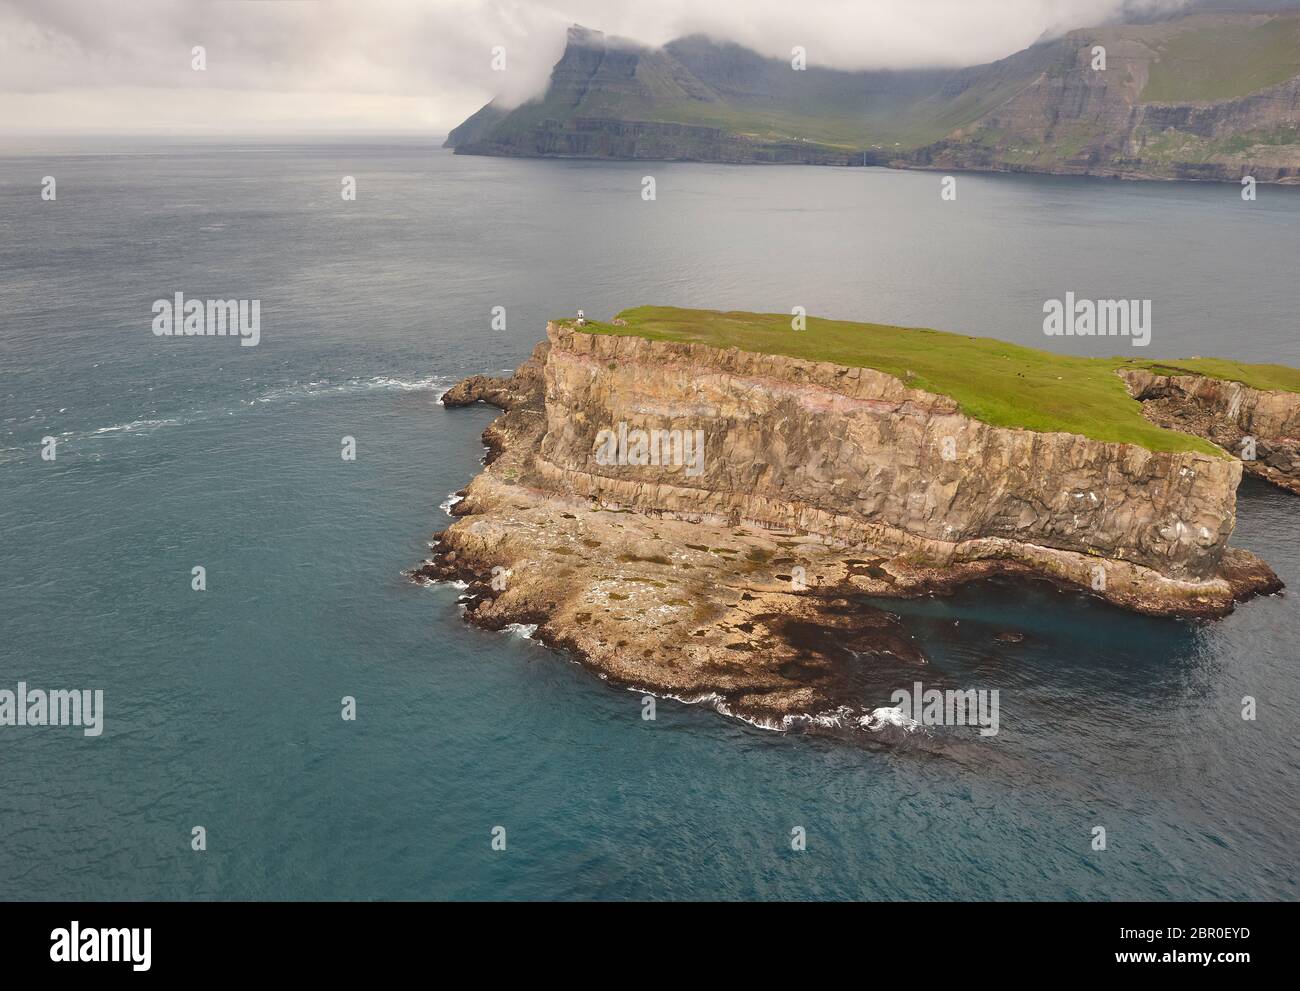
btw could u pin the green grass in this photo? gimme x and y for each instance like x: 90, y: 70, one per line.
x: 836, y: 129
x: 1179, y: 146
x: 998, y: 383
x: 1225, y: 61
x: 1269, y: 378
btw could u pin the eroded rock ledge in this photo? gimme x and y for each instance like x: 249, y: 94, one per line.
x: 1261, y: 428
x: 743, y: 583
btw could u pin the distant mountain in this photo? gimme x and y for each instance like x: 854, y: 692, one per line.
x: 1206, y: 95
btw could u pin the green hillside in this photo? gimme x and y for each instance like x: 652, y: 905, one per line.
x: 1224, y: 61
x: 702, y: 83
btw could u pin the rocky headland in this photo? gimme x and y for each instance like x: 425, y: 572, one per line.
x: 734, y: 569
x: 1208, y: 95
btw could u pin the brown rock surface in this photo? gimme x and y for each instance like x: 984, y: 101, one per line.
x: 744, y: 584
x: 521, y: 388
x: 1229, y: 414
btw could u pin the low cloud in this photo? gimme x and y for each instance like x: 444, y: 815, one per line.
x: 401, y: 65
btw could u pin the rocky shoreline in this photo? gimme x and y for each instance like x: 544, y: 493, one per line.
x: 753, y: 598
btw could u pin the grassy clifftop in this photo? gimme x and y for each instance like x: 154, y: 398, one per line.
x: 999, y: 383
x: 1267, y: 378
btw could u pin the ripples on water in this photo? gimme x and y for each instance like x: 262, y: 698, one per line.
x: 223, y: 707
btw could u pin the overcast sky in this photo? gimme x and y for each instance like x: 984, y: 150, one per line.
x: 280, y: 66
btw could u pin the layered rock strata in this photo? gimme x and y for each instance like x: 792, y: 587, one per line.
x: 737, y: 571
x: 1261, y: 428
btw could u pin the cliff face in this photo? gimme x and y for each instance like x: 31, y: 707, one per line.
x: 1262, y: 428
x: 729, y: 562
x: 592, y: 137
x: 854, y: 454
x: 1203, y: 96
x: 474, y: 127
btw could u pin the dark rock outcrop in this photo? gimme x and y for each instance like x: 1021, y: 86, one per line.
x: 523, y: 388
x: 1261, y: 428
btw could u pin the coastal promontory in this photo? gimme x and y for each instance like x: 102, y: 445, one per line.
x: 716, y: 506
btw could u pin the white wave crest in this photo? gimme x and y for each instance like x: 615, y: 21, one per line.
x: 352, y: 386
x: 309, y: 390
x: 134, y: 427
x: 878, y: 719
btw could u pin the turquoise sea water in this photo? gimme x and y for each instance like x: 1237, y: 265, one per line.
x: 223, y: 707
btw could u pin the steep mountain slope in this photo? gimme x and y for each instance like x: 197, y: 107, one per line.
x: 1213, y: 96
x: 699, y: 99
x: 1199, y: 96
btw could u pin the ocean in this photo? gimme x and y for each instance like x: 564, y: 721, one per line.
x: 222, y: 708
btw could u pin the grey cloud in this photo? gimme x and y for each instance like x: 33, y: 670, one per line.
x: 402, y: 64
